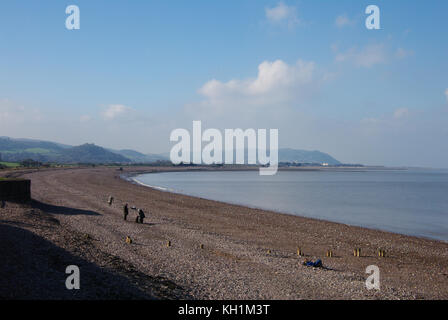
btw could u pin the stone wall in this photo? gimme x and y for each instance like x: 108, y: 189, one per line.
x: 18, y: 190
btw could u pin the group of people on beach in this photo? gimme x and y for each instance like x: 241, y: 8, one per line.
x: 140, y: 213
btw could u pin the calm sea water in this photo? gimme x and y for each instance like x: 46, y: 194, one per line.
x: 413, y: 202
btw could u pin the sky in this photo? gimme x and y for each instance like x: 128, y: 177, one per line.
x: 136, y: 70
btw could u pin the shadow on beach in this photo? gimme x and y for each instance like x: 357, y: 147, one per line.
x: 34, y: 268
x: 61, y: 210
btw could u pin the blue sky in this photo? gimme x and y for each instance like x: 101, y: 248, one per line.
x: 138, y: 69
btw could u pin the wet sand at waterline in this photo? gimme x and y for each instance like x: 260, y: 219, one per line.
x: 246, y: 253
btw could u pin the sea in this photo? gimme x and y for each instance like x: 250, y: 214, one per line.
x: 411, y: 202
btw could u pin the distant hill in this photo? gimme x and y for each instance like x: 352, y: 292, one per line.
x: 44, y: 151
x: 293, y: 156
x: 32, y: 143
x: 90, y: 153
x: 138, y: 157
x: 20, y: 149
x: 11, y: 144
x: 15, y: 150
x: 303, y: 156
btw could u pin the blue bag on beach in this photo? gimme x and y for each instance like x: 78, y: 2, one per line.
x: 316, y: 264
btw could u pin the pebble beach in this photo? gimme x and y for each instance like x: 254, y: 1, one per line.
x: 192, y: 248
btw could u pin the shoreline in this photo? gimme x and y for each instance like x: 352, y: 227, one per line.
x: 130, y: 177
x: 223, y: 251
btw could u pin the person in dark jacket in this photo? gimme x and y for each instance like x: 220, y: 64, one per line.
x: 141, y: 216
x: 126, y: 211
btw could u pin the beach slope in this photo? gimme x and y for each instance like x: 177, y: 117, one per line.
x: 215, y: 250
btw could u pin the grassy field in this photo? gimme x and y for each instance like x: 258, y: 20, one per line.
x: 10, y: 164
x: 11, y: 179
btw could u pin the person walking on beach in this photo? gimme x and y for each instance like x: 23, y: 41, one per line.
x: 125, y: 211
x: 140, y: 216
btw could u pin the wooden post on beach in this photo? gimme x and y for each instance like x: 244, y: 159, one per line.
x: 329, y: 253
x: 299, y: 252
x: 269, y: 251
x: 168, y: 243
x: 128, y: 240
x: 357, y: 252
x: 381, y: 253
x: 201, y: 246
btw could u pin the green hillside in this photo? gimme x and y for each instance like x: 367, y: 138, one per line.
x: 16, y: 150
x: 9, y: 164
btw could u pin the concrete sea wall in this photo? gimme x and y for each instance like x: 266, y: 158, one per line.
x: 17, y: 190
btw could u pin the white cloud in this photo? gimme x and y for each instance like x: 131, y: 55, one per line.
x: 13, y: 113
x: 273, y: 78
x: 343, y: 21
x: 85, y: 118
x: 403, y: 53
x: 282, y: 13
x: 370, y: 121
x: 115, y: 111
x: 401, y: 113
x: 415, y: 138
x: 389, y: 119
x: 366, y: 57
x: 263, y: 100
